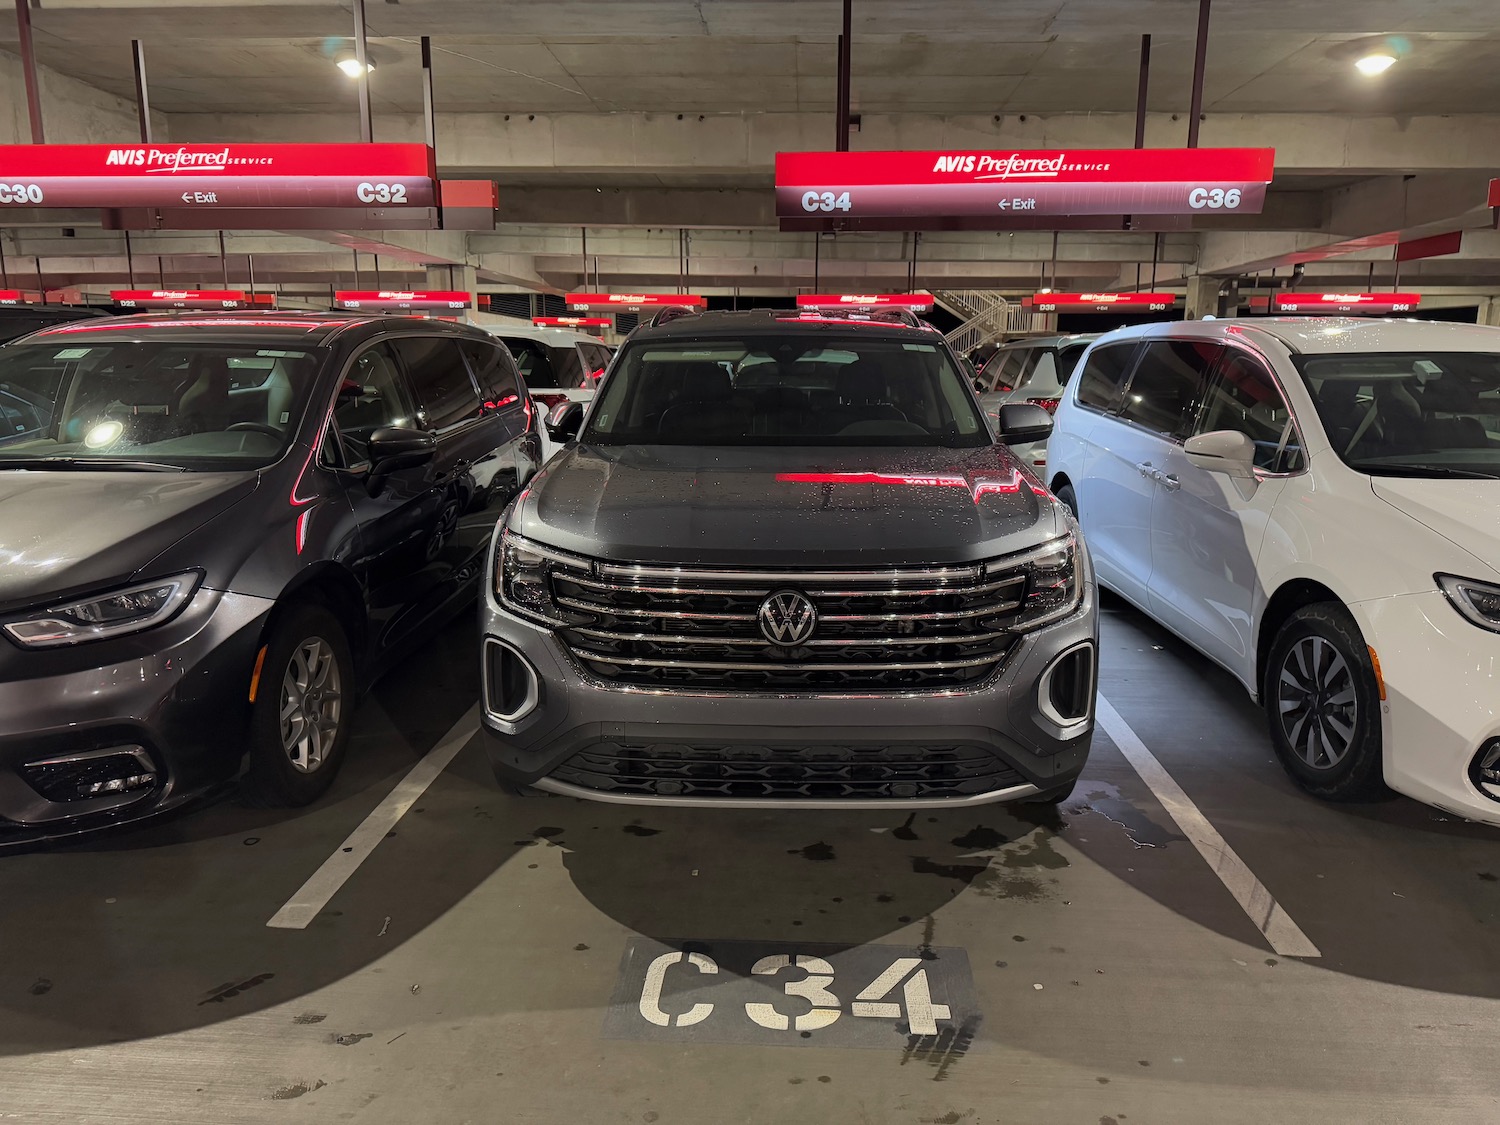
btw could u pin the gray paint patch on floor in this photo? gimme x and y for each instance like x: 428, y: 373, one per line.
x: 805, y: 995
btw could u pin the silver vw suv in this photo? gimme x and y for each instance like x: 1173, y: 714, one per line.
x: 783, y: 561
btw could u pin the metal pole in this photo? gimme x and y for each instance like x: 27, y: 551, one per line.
x: 28, y: 67
x: 840, y: 111
x: 142, y: 97
x: 1155, y: 254
x: 366, y: 128
x: 1370, y: 281
x: 250, y: 265
x: 817, y: 259
x: 846, y: 55
x: 129, y: 261
x: 429, y: 112
x: 1140, y: 92
x: 1396, y: 277
x: 1200, y: 57
x: 585, y: 232
x: 4, y: 270
x: 356, y: 269
x: 40, y: 286
x: 161, y: 272
x: 223, y: 260
x: 1053, y: 282
x: 377, y: 271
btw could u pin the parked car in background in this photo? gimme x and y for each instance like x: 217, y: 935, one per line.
x: 1033, y: 370
x: 1312, y: 504
x: 19, y: 320
x: 795, y: 520
x: 224, y: 527
x: 559, y: 365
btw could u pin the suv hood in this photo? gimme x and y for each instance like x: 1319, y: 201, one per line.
x: 785, y: 506
x: 66, y: 532
x: 1465, y: 512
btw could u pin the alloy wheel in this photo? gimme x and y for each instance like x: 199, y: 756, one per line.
x: 311, y: 704
x: 1317, y: 702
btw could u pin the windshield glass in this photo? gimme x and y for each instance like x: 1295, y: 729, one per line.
x: 1410, y: 413
x: 176, y: 404
x: 787, y: 390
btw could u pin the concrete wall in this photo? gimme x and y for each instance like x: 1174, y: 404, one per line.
x: 73, y: 112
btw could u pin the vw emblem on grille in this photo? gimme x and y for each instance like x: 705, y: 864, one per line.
x: 787, y: 618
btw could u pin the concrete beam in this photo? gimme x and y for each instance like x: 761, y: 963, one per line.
x: 73, y: 112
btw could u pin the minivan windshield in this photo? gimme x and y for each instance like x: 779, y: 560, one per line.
x: 1427, y: 414
x: 130, y: 404
x: 807, y: 390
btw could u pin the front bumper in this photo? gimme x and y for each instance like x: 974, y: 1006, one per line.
x: 1442, y: 702
x: 172, y: 699
x: 575, y: 719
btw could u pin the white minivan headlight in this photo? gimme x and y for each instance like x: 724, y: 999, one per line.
x: 1478, y: 601
x: 114, y: 614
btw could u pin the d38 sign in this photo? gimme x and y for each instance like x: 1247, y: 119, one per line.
x: 757, y: 992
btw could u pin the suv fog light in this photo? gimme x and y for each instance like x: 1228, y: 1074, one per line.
x: 1484, y: 770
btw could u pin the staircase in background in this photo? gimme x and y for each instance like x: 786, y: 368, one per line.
x: 986, y: 317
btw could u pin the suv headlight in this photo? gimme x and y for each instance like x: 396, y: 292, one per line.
x: 109, y: 615
x: 523, y: 578
x: 1052, y: 589
x: 1478, y: 601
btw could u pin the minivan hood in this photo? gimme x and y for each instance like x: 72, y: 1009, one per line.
x: 63, y: 532
x: 1465, y: 512
x: 782, y: 506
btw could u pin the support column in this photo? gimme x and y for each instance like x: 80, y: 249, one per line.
x: 1489, y: 311
x: 462, y: 279
x: 1202, y: 297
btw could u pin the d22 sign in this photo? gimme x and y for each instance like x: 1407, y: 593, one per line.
x: 790, y: 994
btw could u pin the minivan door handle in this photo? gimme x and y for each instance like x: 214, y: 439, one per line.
x: 1145, y: 469
x: 1169, y: 482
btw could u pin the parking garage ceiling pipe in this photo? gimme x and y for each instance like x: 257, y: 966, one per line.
x: 361, y: 58
x: 28, y: 68
x: 1200, y: 57
x: 845, y: 101
x: 142, y: 96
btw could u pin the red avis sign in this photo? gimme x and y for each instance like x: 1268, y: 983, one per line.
x: 217, y: 176
x: 916, y: 302
x: 572, y: 321
x: 182, y: 299
x: 1101, y: 302
x: 1364, y: 303
x: 1007, y: 185
x: 632, y: 302
x: 12, y: 297
x: 398, y: 300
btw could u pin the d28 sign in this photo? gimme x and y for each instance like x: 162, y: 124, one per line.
x: 792, y: 994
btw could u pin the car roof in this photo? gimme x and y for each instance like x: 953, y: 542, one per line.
x: 1322, y: 335
x: 300, y: 329
x: 557, y: 337
x: 780, y: 322
x: 1050, y: 341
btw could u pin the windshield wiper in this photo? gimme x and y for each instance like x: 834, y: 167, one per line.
x: 1404, y: 470
x: 87, y: 464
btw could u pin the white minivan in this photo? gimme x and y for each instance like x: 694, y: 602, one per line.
x: 1315, y: 505
x: 558, y: 364
x: 1033, y: 370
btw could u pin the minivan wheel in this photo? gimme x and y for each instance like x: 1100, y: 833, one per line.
x: 1323, y: 703
x: 1069, y: 499
x: 303, y: 710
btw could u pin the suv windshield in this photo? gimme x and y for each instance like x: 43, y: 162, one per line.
x: 785, y: 390
x: 129, y: 404
x: 1434, y: 414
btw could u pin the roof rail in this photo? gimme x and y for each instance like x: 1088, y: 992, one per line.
x: 671, y: 313
x: 887, y: 315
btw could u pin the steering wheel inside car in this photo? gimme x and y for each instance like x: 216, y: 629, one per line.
x: 258, y: 427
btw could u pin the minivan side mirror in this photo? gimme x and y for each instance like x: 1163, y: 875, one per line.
x: 1222, y: 451
x: 396, y: 447
x: 1022, y: 423
x: 564, y: 421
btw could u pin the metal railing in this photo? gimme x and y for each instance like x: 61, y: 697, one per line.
x: 986, y: 316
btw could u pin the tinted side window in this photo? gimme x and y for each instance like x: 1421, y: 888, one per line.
x: 438, y: 375
x: 374, y: 395
x: 1104, y: 376
x: 1168, y: 380
x: 597, y: 356
x: 494, y: 370
x: 1067, y: 361
x: 536, y: 367
x: 568, y: 366
x: 1244, y: 398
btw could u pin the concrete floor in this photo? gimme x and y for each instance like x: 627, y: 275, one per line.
x: 465, y: 972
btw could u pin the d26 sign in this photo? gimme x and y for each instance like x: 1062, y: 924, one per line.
x: 789, y: 994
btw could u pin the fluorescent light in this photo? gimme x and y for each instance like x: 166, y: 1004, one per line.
x: 350, y: 66
x: 1378, y: 63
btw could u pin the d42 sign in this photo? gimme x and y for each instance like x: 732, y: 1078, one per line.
x: 796, y: 994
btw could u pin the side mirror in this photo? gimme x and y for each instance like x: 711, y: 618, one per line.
x: 564, y: 421
x: 979, y: 384
x: 1222, y: 451
x: 396, y: 447
x: 1022, y: 423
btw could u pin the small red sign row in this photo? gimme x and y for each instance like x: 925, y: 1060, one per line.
x: 572, y: 321
x: 1365, y: 304
x: 916, y: 302
x: 1100, y: 302
x: 400, y: 300
x: 632, y: 302
x: 191, y: 299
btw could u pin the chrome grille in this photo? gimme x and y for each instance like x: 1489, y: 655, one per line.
x: 899, y: 629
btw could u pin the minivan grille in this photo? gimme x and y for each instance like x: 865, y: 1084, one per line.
x: 899, y: 629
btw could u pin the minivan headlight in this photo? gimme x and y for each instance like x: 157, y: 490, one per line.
x: 114, y: 614
x: 523, y: 578
x: 1052, y: 589
x: 1478, y: 601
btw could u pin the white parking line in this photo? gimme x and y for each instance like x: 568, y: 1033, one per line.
x: 1283, y: 934
x: 337, y: 869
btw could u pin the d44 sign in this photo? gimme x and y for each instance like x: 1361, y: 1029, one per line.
x: 755, y: 992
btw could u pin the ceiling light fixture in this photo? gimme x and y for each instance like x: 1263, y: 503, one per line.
x: 350, y: 65
x: 1378, y: 63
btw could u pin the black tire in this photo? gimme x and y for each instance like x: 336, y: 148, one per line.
x: 272, y: 778
x: 1323, y: 705
x: 1069, y: 499
x: 1051, y: 796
